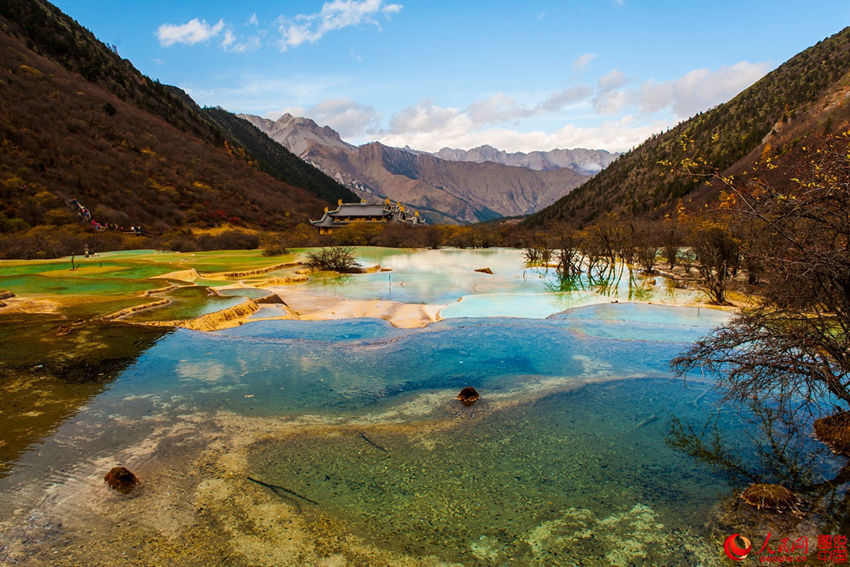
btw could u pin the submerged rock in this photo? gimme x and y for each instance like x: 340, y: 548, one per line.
x: 468, y: 396
x: 121, y: 480
x: 770, y: 496
x: 834, y: 431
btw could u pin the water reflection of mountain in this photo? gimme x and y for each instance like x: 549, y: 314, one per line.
x: 50, y: 368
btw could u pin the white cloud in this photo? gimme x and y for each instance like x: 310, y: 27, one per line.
x: 334, y: 15
x: 614, y: 115
x: 430, y: 127
x: 696, y: 91
x: 229, y: 39
x: 559, y: 99
x: 190, y: 33
x: 253, y: 20
x: 349, y: 118
x: 610, y: 102
x: 583, y: 60
x: 425, y: 117
x: 612, y: 80
x: 495, y: 109
x: 615, y: 135
x: 498, y: 108
x: 344, y: 115
x: 699, y: 89
x: 230, y: 43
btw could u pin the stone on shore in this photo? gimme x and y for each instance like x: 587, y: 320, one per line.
x: 121, y: 479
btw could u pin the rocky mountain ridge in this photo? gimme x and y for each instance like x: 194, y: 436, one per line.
x: 585, y: 161
x: 444, y: 190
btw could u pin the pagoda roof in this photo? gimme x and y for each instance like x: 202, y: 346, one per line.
x: 360, y: 210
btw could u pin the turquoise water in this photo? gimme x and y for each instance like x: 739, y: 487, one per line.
x: 514, y: 289
x: 351, y: 365
x: 562, y: 461
x: 568, y: 436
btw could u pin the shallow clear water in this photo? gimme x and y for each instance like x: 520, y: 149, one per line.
x: 572, y: 477
x: 547, y: 452
x: 514, y: 289
x: 562, y: 461
x: 190, y: 302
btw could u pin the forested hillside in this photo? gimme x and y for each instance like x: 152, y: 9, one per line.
x: 642, y: 183
x: 82, y: 126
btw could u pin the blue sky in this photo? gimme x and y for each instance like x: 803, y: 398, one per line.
x: 520, y: 76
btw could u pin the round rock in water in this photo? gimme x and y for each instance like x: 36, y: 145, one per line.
x: 468, y: 396
x: 121, y: 480
x: 770, y: 496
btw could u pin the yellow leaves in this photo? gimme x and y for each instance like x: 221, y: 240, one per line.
x: 30, y: 70
x: 159, y: 186
x: 726, y: 200
x: 201, y: 185
x: 148, y: 152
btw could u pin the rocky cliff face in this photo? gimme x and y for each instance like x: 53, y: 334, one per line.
x: 444, y: 190
x: 589, y: 162
x: 297, y: 134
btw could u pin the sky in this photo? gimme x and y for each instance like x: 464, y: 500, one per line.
x: 519, y: 76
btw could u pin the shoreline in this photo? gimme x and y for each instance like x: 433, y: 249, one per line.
x: 306, y: 306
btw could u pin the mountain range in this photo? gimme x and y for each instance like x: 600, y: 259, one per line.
x: 455, y: 186
x: 588, y: 162
x: 79, y: 122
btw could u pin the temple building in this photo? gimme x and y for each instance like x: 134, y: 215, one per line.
x: 348, y: 213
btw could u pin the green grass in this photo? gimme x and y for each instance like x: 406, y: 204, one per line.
x: 111, y: 281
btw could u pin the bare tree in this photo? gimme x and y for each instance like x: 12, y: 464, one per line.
x: 793, y: 346
x: 672, y: 240
x: 337, y: 259
x: 569, y: 253
x: 717, y: 256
